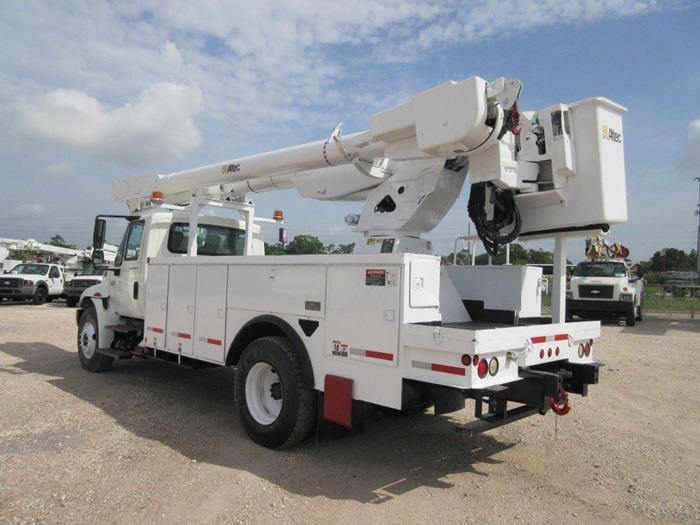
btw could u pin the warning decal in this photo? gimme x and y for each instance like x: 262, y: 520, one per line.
x: 375, y: 278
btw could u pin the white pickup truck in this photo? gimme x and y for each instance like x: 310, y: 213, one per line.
x: 40, y: 282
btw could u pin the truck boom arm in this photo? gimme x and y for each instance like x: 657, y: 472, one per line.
x: 556, y: 170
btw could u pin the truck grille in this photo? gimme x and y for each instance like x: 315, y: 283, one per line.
x: 596, y: 291
x: 10, y: 283
x: 82, y: 284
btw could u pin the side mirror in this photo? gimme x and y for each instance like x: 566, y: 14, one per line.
x: 98, y: 235
x: 98, y: 258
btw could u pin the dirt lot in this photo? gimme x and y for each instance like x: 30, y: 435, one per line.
x: 149, y: 442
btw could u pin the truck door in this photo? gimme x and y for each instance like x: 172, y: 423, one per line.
x: 126, y: 281
x: 55, y: 281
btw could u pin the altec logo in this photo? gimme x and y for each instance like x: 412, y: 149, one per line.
x: 611, y: 134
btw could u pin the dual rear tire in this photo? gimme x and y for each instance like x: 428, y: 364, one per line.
x: 275, y: 405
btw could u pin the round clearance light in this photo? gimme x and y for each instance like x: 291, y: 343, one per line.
x: 466, y: 360
x: 475, y: 360
x: 587, y: 350
x: 493, y: 366
x: 581, y: 350
x: 549, y: 353
x: 542, y: 354
x: 483, y: 368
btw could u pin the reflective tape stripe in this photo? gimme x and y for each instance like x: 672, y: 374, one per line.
x: 549, y: 338
x: 156, y: 330
x: 210, y: 341
x: 373, y: 354
x: 436, y: 367
x: 181, y: 335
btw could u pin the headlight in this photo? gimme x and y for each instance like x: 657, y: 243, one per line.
x: 28, y: 283
x: 625, y: 297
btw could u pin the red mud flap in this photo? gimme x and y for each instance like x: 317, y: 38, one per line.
x: 337, y: 400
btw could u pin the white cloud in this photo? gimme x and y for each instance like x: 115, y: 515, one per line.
x: 158, y: 124
x: 690, y: 161
x: 58, y: 169
x: 28, y: 211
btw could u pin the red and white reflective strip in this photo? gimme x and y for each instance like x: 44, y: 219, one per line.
x: 181, y: 335
x: 437, y: 367
x: 155, y: 330
x: 549, y: 338
x: 373, y: 354
x: 209, y: 340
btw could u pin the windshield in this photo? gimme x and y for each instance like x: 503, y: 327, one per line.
x: 91, y: 270
x: 31, y: 269
x: 600, y: 269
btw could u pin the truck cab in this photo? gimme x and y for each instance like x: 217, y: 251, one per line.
x: 165, y: 233
x: 606, y: 289
x: 40, y: 282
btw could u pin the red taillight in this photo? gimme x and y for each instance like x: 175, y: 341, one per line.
x: 482, y: 368
x: 466, y: 360
x: 587, y: 350
x: 476, y: 360
x: 549, y: 353
x: 542, y: 354
x: 556, y: 352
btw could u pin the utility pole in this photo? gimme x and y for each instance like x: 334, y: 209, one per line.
x: 697, y: 212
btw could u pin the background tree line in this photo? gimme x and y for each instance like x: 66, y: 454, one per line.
x: 656, y: 268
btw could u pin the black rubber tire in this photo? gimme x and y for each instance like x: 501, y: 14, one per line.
x: 298, y: 411
x: 50, y: 299
x: 40, y: 296
x: 71, y: 302
x: 630, y: 319
x: 640, y: 312
x: 88, y: 337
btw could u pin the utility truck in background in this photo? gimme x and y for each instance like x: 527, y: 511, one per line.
x: 607, y: 285
x: 41, y: 278
x: 312, y: 335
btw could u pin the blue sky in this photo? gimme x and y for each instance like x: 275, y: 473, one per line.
x: 95, y: 91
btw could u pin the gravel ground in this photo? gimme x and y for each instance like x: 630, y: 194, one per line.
x: 150, y: 442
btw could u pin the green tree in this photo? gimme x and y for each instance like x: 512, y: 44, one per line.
x: 274, y: 249
x: 539, y: 256
x: 673, y: 260
x: 341, y: 248
x: 57, y: 240
x: 305, y: 244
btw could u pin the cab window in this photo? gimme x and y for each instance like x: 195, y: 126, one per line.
x: 211, y: 239
x: 131, y: 244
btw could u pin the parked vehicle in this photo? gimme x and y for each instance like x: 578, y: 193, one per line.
x: 36, y: 281
x: 77, y: 284
x: 384, y: 325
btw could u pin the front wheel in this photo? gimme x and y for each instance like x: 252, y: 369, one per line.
x: 72, y: 301
x: 88, y: 341
x: 40, y: 296
x: 274, y: 403
x: 630, y: 318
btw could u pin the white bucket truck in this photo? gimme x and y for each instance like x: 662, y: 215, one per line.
x: 312, y: 335
x: 607, y: 285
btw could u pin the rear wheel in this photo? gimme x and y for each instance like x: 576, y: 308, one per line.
x: 274, y: 403
x: 40, y: 295
x: 88, y: 341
